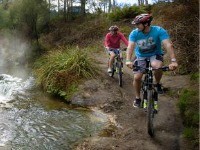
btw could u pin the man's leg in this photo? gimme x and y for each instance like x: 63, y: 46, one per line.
x: 157, y: 73
x: 157, y: 63
x: 112, y: 56
x: 137, y: 84
x: 137, y: 88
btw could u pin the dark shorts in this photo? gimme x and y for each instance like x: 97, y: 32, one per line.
x: 140, y: 61
x: 116, y: 51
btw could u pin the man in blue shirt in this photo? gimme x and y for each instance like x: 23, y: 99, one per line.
x: 147, y: 41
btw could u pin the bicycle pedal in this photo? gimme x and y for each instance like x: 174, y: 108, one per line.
x: 145, y: 109
x: 155, y: 111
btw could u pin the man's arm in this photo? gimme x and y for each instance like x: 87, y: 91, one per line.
x: 129, y: 53
x: 170, y: 49
x: 123, y: 38
x: 106, y: 41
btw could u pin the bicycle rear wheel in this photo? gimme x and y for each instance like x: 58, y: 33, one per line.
x: 150, y: 113
x: 120, y: 74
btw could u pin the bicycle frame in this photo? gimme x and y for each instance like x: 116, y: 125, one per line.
x: 150, y: 94
x: 117, y: 66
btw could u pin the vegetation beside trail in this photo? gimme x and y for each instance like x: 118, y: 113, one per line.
x: 189, y: 109
x: 183, y: 28
x: 60, y: 72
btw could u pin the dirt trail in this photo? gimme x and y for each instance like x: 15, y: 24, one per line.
x: 130, y: 132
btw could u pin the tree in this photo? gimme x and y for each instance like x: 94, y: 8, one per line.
x: 30, y: 16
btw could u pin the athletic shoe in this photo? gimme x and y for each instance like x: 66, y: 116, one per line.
x: 109, y: 70
x: 145, y: 104
x: 137, y: 102
x: 155, y: 107
x: 159, y: 88
x: 117, y: 70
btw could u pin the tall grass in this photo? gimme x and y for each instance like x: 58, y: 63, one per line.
x: 59, y: 72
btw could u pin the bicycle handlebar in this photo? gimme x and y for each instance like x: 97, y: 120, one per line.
x: 122, y: 49
x: 163, y: 68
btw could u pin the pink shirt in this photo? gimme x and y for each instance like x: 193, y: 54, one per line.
x: 113, y: 41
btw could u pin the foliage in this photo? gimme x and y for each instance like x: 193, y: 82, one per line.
x: 29, y: 16
x: 189, y: 108
x: 60, y: 72
x: 4, y: 18
x: 183, y: 27
x: 127, y: 12
x: 82, y: 32
x: 194, y: 77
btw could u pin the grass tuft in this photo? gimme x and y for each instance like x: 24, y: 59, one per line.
x: 60, y: 72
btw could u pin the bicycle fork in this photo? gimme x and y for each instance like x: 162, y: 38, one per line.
x: 154, y: 99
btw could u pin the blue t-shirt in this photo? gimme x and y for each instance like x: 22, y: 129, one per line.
x: 148, y: 44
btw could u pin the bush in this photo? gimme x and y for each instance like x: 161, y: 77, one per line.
x: 182, y: 27
x: 60, y: 72
x: 127, y: 12
x: 189, y: 108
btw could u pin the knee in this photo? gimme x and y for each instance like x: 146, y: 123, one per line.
x: 137, y: 78
x: 156, y: 64
x: 112, y: 55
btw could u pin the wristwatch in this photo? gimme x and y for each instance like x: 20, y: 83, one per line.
x: 173, y: 60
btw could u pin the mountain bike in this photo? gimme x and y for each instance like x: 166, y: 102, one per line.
x: 149, y: 94
x: 117, y: 66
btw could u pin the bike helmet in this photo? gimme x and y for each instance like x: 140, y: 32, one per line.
x: 113, y: 28
x: 142, y: 18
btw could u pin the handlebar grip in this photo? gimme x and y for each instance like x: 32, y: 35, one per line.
x: 124, y: 49
x: 136, y: 68
x: 165, y: 68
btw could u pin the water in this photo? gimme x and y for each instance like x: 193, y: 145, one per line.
x: 31, y: 120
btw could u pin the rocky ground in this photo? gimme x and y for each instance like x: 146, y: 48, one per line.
x: 127, y: 129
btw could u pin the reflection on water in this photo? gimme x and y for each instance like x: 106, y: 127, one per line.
x: 37, y: 122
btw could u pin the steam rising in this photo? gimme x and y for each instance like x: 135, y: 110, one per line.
x: 14, y: 53
x: 14, y: 75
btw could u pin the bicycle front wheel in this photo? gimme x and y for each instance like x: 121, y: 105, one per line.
x: 120, y: 74
x: 150, y: 112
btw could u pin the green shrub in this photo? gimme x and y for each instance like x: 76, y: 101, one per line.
x: 127, y: 12
x: 4, y: 18
x: 182, y: 27
x: 194, y: 76
x: 189, y: 108
x: 60, y: 72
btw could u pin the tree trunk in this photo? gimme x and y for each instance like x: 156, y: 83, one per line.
x: 83, y: 7
x: 139, y: 2
x: 49, y: 9
x: 110, y: 6
x: 65, y: 12
x: 58, y: 6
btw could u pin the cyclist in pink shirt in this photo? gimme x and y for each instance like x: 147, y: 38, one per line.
x: 112, y: 43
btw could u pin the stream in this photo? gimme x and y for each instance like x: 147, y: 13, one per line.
x: 32, y: 120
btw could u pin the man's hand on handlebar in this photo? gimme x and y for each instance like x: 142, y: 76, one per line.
x: 129, y: 64
x: 107, y: 48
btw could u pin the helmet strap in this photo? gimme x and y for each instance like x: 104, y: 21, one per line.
x: 145, y: 25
